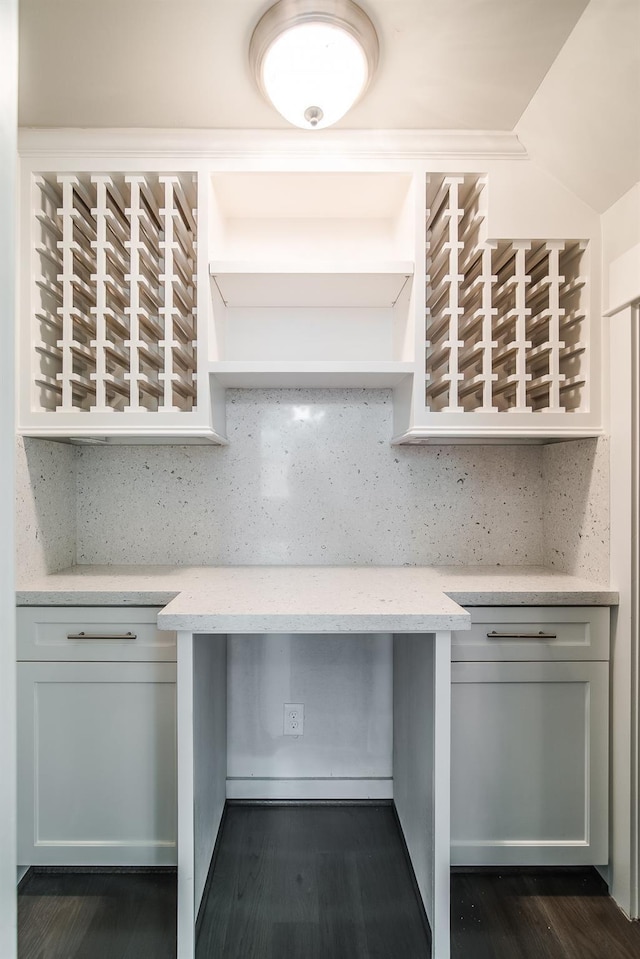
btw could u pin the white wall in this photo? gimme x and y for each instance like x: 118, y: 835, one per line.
x: 8, y: 126
x: 621, y: 267
x: 581, y: 124
x: 621, y: 227
x: 621, y: 250
x: 345, y: 685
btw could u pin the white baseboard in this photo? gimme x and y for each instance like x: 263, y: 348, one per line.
x: 287, y: 789
x: 22, y: 872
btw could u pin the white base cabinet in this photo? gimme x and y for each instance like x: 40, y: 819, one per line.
x: 96, y: 750
x: 529, y: 762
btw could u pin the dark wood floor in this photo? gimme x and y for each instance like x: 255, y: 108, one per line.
x: 304, y: 882
x: 311, y: 882
x: 543, y: 914
x: 97, y: 916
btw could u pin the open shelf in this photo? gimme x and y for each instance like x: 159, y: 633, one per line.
x: 310, y: 373
x: 96, y: 433
x: 312, y: 279
x: 493, y: 435
x: 319, y: 284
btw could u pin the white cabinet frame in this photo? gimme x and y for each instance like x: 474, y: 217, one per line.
x: 421, y: 770
x: 624, y: 394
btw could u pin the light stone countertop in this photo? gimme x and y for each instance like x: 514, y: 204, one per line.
x: 315, y: 599
x: 307, y: 599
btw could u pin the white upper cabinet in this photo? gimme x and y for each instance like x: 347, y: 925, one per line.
x: 509, y: 338
x: 471, y: 290
x: 110, y: 337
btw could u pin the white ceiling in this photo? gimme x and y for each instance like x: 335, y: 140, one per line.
x: 583, y: 124
x: 445, y: 65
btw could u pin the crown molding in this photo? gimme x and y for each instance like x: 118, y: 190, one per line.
x: 291, y: 144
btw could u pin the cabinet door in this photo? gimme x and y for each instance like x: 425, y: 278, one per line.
x: 529, y: 763
x: 96, y: 763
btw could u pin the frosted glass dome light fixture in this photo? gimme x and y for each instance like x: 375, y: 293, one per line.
x: 313, y: 59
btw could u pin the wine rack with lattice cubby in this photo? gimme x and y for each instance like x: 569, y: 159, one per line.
x: 114, y: 349
x: 144, y: 295
x: 505, y: 320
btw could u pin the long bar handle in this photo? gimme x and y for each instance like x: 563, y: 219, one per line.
x: 84, y: 635
x: 539, y: 635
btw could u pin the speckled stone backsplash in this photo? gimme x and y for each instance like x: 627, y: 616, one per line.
x: 576, y: 513
x: 309, y: 477
x: 45, y: 507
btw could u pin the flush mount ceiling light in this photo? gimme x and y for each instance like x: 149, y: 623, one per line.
x: 313, y: 59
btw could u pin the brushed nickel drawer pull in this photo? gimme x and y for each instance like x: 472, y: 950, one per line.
x: 540, y: 635
x: 84, y: 635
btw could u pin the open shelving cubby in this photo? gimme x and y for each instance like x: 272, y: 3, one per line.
x: 312, y: 278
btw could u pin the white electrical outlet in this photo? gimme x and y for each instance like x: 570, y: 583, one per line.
x: 293, y: 719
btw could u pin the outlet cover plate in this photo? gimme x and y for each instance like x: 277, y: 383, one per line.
x: 293, y: 719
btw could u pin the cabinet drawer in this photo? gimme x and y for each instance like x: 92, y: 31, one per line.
x: 92, y: 634
x: 530, y: 633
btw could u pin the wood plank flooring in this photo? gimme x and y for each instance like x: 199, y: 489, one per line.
x: 543, y: 914
x: 100, y: 915
x: 304, y: 882
x: 311, y: 882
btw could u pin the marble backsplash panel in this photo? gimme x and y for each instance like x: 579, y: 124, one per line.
x: 45, y: 507
x: 576, y: 508
x: 309, y: 477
